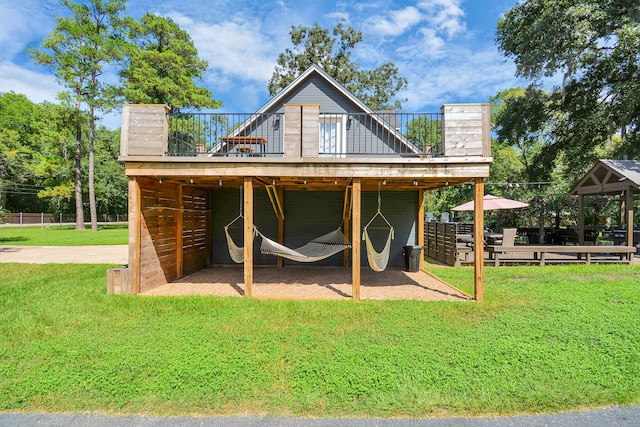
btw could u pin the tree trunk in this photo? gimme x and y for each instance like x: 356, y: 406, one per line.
x: 78, y: 172
x: 92, y: 193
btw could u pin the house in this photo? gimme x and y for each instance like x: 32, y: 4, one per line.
x: 313, y: 159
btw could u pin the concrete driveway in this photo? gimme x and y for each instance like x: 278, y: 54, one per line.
x: 112, y: 254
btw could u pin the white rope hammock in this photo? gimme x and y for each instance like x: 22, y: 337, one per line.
x: 378, y: 260
x: 235, y: 252
x: 317, y: 249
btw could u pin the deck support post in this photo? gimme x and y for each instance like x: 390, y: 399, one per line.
x: 478, y: 241
x: 248, y: 237
x: 178, y: 231
x: 280, y: 193
x: 135, y: 220
x: 420, y: 226
x: 629, y: 215
x: 346, y: 217
x: 356, y: 194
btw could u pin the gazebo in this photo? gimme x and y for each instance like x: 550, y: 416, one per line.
x: 610, y: 177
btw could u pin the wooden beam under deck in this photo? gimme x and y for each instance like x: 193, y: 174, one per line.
x: 135, y: 224
x: 478, y: 232
x: 356, y: 195
x: 314, y: 175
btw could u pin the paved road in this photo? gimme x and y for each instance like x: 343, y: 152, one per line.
x: 628, y: 416
x: 111, y: 254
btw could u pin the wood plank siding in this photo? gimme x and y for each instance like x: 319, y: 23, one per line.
x: 160, y: 209
x: 144, y: 130
x: 466, y: 130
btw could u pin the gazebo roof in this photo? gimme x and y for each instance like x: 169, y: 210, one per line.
x: 610, y: 176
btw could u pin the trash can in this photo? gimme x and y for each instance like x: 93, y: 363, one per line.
x: 412, y: 258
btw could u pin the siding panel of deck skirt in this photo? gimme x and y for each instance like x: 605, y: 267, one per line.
x: 225, y: 206
x: 158, y: 250
x: 194, y: 229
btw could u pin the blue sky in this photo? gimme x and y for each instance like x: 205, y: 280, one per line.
x: 444, y: 48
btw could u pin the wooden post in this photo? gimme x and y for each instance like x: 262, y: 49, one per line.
x: 281, y: 226
x: 420, y: 226
x: 629, y: 216
x: 179, y: 226
x: 209, y: 231
x: 346, y: 217
x: 356, y: 194
x: 248, y: 237
x: 580, y: 220
x: 135, y: 219
x: 478, y: 241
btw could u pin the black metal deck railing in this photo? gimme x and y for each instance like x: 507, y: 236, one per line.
x: 383, y: 134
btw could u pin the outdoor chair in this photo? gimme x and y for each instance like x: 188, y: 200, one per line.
x: 508, y: 237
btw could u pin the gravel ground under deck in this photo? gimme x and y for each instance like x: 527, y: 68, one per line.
x: 312, y: 283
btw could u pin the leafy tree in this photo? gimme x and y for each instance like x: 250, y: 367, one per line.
x: 593, y: 45
x: 111, y: 180
x: 56, y: 169
x: 314, y: 45
x: 162, y: 66
x: 78, y: 49
x: 425, y: 133
x: 17, y: 155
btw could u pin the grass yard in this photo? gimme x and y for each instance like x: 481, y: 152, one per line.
x: 63, y: 236
x: 546, y: 340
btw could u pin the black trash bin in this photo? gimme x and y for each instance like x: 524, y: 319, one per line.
x: 412, y: 258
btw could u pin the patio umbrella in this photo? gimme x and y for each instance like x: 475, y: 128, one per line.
x: 492, y: 202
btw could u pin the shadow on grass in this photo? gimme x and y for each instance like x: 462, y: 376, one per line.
x: 15, y: 239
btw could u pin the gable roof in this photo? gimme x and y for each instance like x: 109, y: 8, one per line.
x: 378, y: 117
x: 609, y: 176
x: 315, y: 68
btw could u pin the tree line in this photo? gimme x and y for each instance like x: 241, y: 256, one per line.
x: 545, y: 136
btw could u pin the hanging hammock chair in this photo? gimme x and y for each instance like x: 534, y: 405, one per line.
x: 317, y: 249
x: 378, y: 260
x: 236, y: 252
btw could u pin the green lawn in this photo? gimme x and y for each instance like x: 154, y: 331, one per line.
x: 63, y: 236
x: 546, y: 339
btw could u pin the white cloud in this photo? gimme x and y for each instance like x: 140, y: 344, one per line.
x: 444, y: 15
x: 236, y: 48
x: 36, y: 86
x: 398, y: 22
x: 22, y: 22
x: 463, y: 76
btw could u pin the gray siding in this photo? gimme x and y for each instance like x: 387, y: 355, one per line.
x: 316, y: 90
x: 309, y: 214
